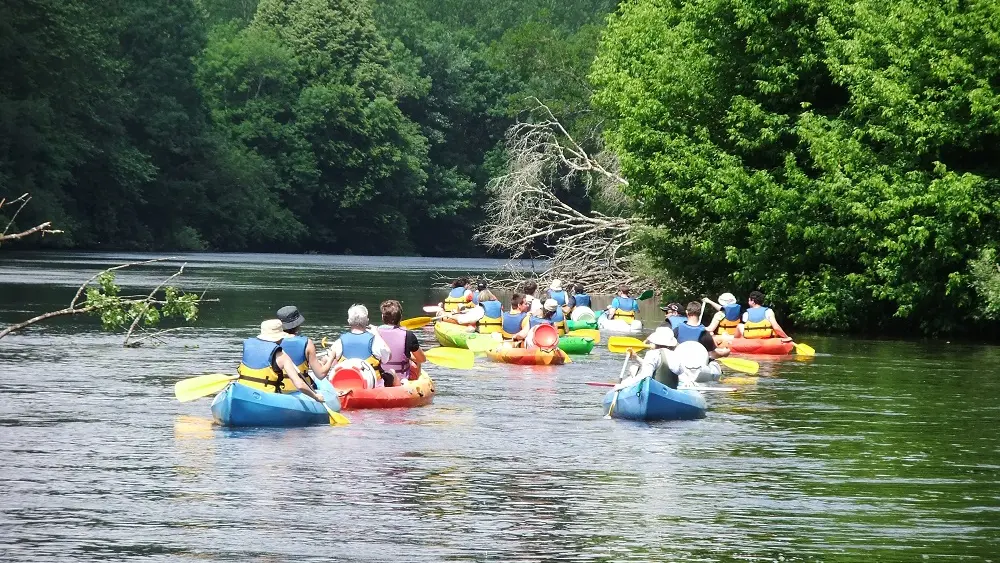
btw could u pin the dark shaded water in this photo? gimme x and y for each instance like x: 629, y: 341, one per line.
x: 884, y: 451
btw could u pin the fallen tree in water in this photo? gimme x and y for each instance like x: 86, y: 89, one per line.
x: 526, y: 217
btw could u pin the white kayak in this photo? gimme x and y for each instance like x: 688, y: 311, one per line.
x: 618, y: 325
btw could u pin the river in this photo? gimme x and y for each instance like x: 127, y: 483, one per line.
x: 875, y: 450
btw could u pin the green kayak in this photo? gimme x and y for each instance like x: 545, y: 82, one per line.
x: 451, y: 335
x: 574, y: 325
x: 576, y: 344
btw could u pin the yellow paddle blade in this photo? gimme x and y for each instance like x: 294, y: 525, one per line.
x: 739, y: 380
x: 591, y: 333
x: 416, y: 322
x: 455, y: 358
x: 335, y: 417
x: 622, y: 344
x: 740, y: 364
x: 482, y: 342
x: 804, y: 349
x: 197, y: 387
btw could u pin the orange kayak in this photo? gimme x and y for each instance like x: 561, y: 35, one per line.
x: 769, y: 346
x: 529, y: 356
x: 416, y: 393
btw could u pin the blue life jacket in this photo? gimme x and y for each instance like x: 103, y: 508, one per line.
x: 258, y: 370
x: 559, y: 296
x: 688, y: 333
x: 732, y: 311
x: 534, y: 321
x: 493, y: 309
x: 295, y: 348
x: 582, y: 300
x: 757, y: 314
x: 626, y: 304
x: 558, y: 317
x: 676, y: 320
x: 357, y: 346
x: 475, y: 297
x: 457, y: 292
x: 512, y: 323
x: 259, y: 354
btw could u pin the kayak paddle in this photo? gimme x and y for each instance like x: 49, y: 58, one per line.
x: 481, y: 343
x: 455, y: 358
x: 416, y: 322
x: 591, y: 333
x: 622, y: 344
x: 326, y: 388
x: 739, y: 380
x: 646, y: 294
x: 699, y: 388
x: 804, y: 349
x: 197, y: 387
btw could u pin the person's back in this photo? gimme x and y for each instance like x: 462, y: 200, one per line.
x: 405, y: 356
x: 581, y: 297
x: 756, y: 321
x: 356, y: 346
x: 624, y: 307
x: 258, y: 368
x: 458, y: 297
x: 492, y: 320
x: 556, y: 292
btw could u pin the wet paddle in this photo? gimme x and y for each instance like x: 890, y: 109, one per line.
x: 326, y: 388
x: 804, y: 349
x: 416, y: 322
x: 455, y: 358
x: 197, y: 387
x: 622, y: 344
x: 646, y: 294
x: 591, y: 333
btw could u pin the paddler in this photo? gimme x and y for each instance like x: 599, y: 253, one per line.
x: 362, y: 346
x: 623, y: 307
x: 459, y: 297
x: 534, y: 305
x: 661, y: 363
x: 405, y: 355
x: 581, y: 297
x: 693, y: 330
x: 492, y: 319
x: 556, y: 292
x: 673, y: 315
x: 549, y: 310
x: 513, y: 320
x: 480, y: 287
x: 265, y: 366
x: 300, y: 348
x: 727, y: 318
x: 759, y: 321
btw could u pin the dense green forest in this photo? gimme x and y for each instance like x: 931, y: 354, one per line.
x: 302, y: 125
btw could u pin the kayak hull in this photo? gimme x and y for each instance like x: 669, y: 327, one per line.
x: 576, y: 325
x: 416, y: 393
x: 618, y: 325
x: 649, y: 399
x: 451, y: 335
x: 576, y: 344
x: 765, y: 346
x: 240, y: 405
x: 528, y: 356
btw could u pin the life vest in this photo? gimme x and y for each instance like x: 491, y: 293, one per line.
x: 511, y: 324
x: 688, y: 333
x: 258, y: 369
x: 356, y: 346
x: 455, y: 299
x: 626, y: 308
x: 663, y: 373
x: 756, y: 324
x: 559, y: 320
x: 582, y: 300
x: 728, y: 325
x: 475, y: 297
x: 534, y: 321
x: 559, y: 296
x: 492, y: 321
x: 395, y: 338
x: 676, y: 320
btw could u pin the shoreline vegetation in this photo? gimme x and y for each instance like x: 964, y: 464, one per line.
x: 843, y: 157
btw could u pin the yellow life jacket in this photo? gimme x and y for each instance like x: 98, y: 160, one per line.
x: 257, y: 367
x: 456, y: 300
x: 727, y: 326
x: 757, y: 325
x: 492, y: 321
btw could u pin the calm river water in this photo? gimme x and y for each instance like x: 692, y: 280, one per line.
x: 874, y: 450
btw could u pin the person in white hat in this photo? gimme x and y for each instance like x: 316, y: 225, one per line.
x: 265, y: 366
x: 661, y: 362
x: 550, y: 310
x: 725, y: 321
x: 556, y: 292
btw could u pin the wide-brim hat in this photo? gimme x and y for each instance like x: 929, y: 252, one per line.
x: 727, y: 299
x: 550, y: 305
x: 692, y: 355
x: 270, y: 330
x: 663, y: 336
x: 556, y: 285
x: 290, y: 317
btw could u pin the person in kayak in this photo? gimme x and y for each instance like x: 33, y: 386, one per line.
x: 759, y: 321
x: 513, y: 320
x: 549, y: 310
x: 556, y: 292
x: 623, y: 307
x: 673, y: 315
x: 362, y: 346
x: 265, y: 366
x: 580, y: 296
x: 480, y: 287
x: 492, y: 319
x: 727, y: 318
x: 660, y: 362
x: 405, y: 355
x: 534, y: 304
x: 693, y: 330
x: 301, y: 349
x: 459, y: 297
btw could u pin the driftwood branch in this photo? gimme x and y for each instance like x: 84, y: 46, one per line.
x: 43, y: 228
x: 60, y: 313
x: 147, y: 303
x: 527, y: 217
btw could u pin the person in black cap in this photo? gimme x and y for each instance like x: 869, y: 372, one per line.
x: 301, y: 349
x: 674, y: 315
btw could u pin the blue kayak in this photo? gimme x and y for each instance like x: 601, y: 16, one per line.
x: 649, y: 399
x: 239, y: 405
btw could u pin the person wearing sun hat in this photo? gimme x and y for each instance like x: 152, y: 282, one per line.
x: 661, y: 362
x: 300, y: 348
x: 266, y: 366
x: 725, y: 321
x: 556, y: 292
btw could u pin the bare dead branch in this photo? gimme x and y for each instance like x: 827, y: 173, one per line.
x: 60, y: 313
x: 23, y: 200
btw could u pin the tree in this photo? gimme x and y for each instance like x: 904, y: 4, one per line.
x: 839, y: 155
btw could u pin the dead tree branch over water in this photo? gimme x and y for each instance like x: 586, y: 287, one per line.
x: 525, y: 215
x: 42, y: 228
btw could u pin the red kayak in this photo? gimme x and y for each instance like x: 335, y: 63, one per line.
x: 415, y: 393
x: 766, y: 346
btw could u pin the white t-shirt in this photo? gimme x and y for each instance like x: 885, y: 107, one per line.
x: 536, y: 305
x: 380, y: 350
